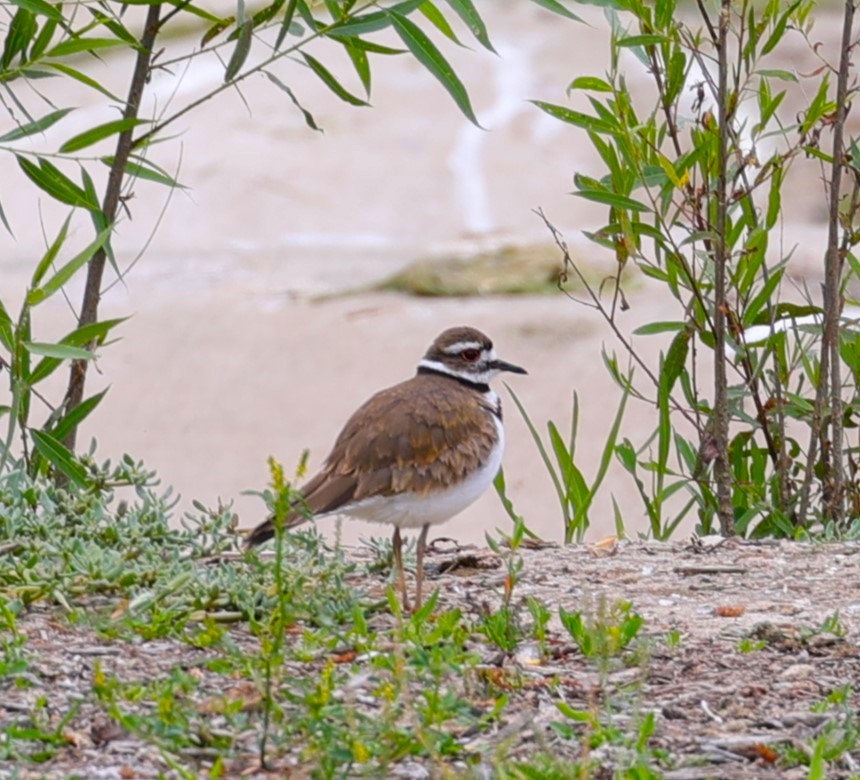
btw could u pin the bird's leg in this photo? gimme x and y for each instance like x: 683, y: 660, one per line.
x: 419, y: 570
x: 397, y: 544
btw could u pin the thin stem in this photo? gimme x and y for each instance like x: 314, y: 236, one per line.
x: 110, y: 206
x: 722, y: 470
x: 835, y: 507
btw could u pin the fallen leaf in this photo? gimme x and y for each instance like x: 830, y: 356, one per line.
x: 729, y: 610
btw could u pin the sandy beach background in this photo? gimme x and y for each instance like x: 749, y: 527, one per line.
x: 241, y: 343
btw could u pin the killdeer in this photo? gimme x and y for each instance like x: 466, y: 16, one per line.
x: 417, y: 453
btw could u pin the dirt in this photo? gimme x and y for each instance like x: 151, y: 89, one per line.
x: 720, y: 712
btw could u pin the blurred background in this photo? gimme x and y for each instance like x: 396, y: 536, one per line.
x: 273, y: 295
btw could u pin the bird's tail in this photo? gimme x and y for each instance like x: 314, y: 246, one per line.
x: 266, y: 530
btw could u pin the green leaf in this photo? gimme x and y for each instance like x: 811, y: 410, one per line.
x: 438, y: 20
x: 241, y: 51
x: 642, y: 40
x: 78, y: 45
x: 612, y: 199
x: 467, y: 12
x: 591, y: 83
x: 286, y: 23
x: 146, y: 169
x: 215, y: 30
x: 309, y: 119
x: 94, y: 333
x: 659, y: 327
x: 557, y: 8
x: 99, y: 133
x: 676, y: 359
x: 35, y: 127
x: 39, y: 294
x: 776, y: 73
x: 373, y: 22
x: 81, y: 77
x: 779, y: 29
x: 360, y: 61
x: 77, y: 415
x: 49, y: 256
x: 39, y: 7
x: 331, y: 82
x: 577, y: 118
x: 431, y: 58
x: 43, y: 39
x: 52, y: 180
x: 60, y: 457
x: 5, y: 221
x: 59, y: 351
x: 20, y: 32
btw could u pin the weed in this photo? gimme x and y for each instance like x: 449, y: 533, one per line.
x: 750, y: 645
x: 604, y: 634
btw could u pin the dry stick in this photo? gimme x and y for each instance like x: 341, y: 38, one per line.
x: 833, y: 273
x: 721, y: 403
x: 110, y: 205
x: 598, y: 305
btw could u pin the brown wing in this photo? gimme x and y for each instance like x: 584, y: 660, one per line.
x: 424, y: 434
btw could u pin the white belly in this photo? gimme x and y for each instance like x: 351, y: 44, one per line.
x: 411, y: 511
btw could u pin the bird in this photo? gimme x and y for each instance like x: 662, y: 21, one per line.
x: 415, y: 454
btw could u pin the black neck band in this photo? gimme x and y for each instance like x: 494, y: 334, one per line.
x: 481, y: 387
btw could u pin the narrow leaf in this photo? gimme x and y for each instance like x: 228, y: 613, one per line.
x: 591, y: 83
x: 65, y: 273
x: 81, y: 77
x: 438, y: 20
x: 35, y: 127
x: 575, y: 117
x: 309, y: 119
x: 60, y: 457
x: 331, y: 82
x: 557, y: 8
x: 612, y: 199
x: 286, y: 23
x: 49, y: 256
x: 431, y: 58
x: 466, y: 10
x: 77, y: 45
x: 240, y: 53
x: 39, y: 7
x: 77, y: 415
x: 99, y: 133
x: 659, y: 327
x: 52, y: 180
x: 60, y: 351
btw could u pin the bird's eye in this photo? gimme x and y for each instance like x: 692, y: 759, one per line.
x: 470, y: 355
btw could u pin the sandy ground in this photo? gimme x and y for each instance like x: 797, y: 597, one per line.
x: 229, y: 357
x: 720, y: 711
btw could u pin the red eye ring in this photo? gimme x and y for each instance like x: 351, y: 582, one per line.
x: 470, y: 355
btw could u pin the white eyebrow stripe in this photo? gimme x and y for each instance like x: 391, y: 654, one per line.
x: 453, y: 349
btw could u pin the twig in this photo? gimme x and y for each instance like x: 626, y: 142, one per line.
x: 693, y: 569
x: 835, y: 507
x: 110, y: 205
x: 722, y: 469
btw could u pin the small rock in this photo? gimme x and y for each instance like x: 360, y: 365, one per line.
x: 796, y: 671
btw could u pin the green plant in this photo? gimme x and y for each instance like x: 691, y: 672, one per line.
x: 694, y: 198
x: 575, y: 495
x: 604, y: 634
x: 748, y: 645
x: 631, y: 755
